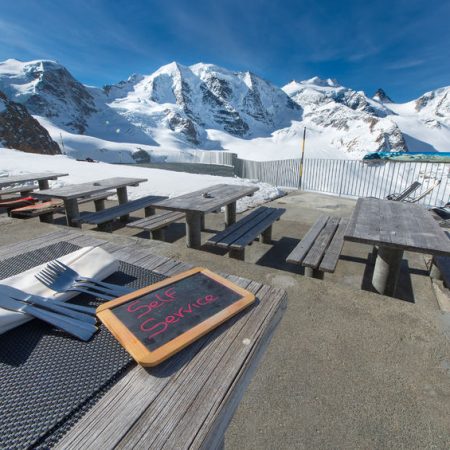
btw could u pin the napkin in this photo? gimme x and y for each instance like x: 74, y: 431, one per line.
x: 91, y: 262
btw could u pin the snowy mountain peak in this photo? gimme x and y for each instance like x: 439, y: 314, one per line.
x: 210, y: 107
x: 47, y: 89
x: 317, y: 81
x: 382, y: 97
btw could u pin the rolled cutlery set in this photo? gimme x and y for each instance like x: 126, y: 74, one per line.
x: 77, y: 320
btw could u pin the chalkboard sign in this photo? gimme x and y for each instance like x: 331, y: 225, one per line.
x: 157, y: 321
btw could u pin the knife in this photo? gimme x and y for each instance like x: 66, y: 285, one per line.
x: 77, y: 328
x: 84, y: 313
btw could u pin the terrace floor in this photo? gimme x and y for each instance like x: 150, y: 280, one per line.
x: 347, y: 368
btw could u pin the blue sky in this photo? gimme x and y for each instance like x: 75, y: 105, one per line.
x: 400, y: 45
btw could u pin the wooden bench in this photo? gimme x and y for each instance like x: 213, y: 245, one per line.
x: 103, y: 219
x: 242, y: 233
x: 23, y: 190
x: 45, y: 210
x: 157, y: 223
x: 320, y: 248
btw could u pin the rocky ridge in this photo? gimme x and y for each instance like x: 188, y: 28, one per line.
x: 19, y: 130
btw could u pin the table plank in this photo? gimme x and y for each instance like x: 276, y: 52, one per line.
x: 8, y: 181
x: 221, y: 194
x: 72, y: 191
x: 399, y: 225
x: 179, y: 403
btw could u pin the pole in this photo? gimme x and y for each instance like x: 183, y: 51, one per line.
x: 302, y: 158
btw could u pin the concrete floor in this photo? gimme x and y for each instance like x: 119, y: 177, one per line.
x: 347, y: 368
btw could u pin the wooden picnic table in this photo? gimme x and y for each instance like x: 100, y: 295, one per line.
x: 394, y: 227
x: 41, y: 178
x: 189, y: 401
x: 70, y: 193
x: 196, y: 204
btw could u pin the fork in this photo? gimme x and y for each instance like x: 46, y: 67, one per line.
x: 112, y: 289
x: 59, y: 284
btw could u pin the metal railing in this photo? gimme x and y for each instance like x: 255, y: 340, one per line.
x: 352, y: 178
x: 360, y: 179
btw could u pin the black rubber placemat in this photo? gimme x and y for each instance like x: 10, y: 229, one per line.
x: 48, y: 379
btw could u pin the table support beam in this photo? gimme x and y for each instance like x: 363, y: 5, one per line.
x: 387, y: 270
x: 99, y: 204
x: 122, y: 196
x: 43, y: 184
x: 230, y: 214
x: 72, y: 212
x: 193, y: 229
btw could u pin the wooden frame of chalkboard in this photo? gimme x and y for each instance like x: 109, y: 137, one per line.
x: 155, y: 322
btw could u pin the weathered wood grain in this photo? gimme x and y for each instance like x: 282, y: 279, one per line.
x: 257, y: 229
x: 301, y: 250
x: 157, y: 221
x: 188, y: 401
x: 398, y: 225
x: 81, y: 190
x: 54, y: 206
x: 14, y: 190
x: 317, y: 251
x: 108, y: 214
x: 247, y: 229
x: 331, y: 256
x: 8, y: 181
x: 218, y: 196
x: 245, y: 222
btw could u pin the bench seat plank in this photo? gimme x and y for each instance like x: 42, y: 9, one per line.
x: 53, y: 206
x: 14, y: 190
x: 299, y: 253
x: 112, y: 213
x: 320, y: 245
x: 157, y: 221
x: 246, y: 230
x: 320, y: 248
x: 227, y: 236
x: 258, y: 228
x: 330, y: 260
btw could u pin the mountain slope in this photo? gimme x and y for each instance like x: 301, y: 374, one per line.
x: 204, y: 106
x: 352, y: 120
x: 190, y: 100
x: 19, y: 130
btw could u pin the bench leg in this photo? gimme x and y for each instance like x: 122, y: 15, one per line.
x: 159, y: 235
x: 313, y: 273
x: 435, y: 272
x: 387, y: 270
x: 193, y: 229
x: 122, y: 196
x: 99, y: 204
x: 107, y: 227
x: 149, y: 211
x: 266, y: 236
x: 46, y: 218
x: 237, y: 254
